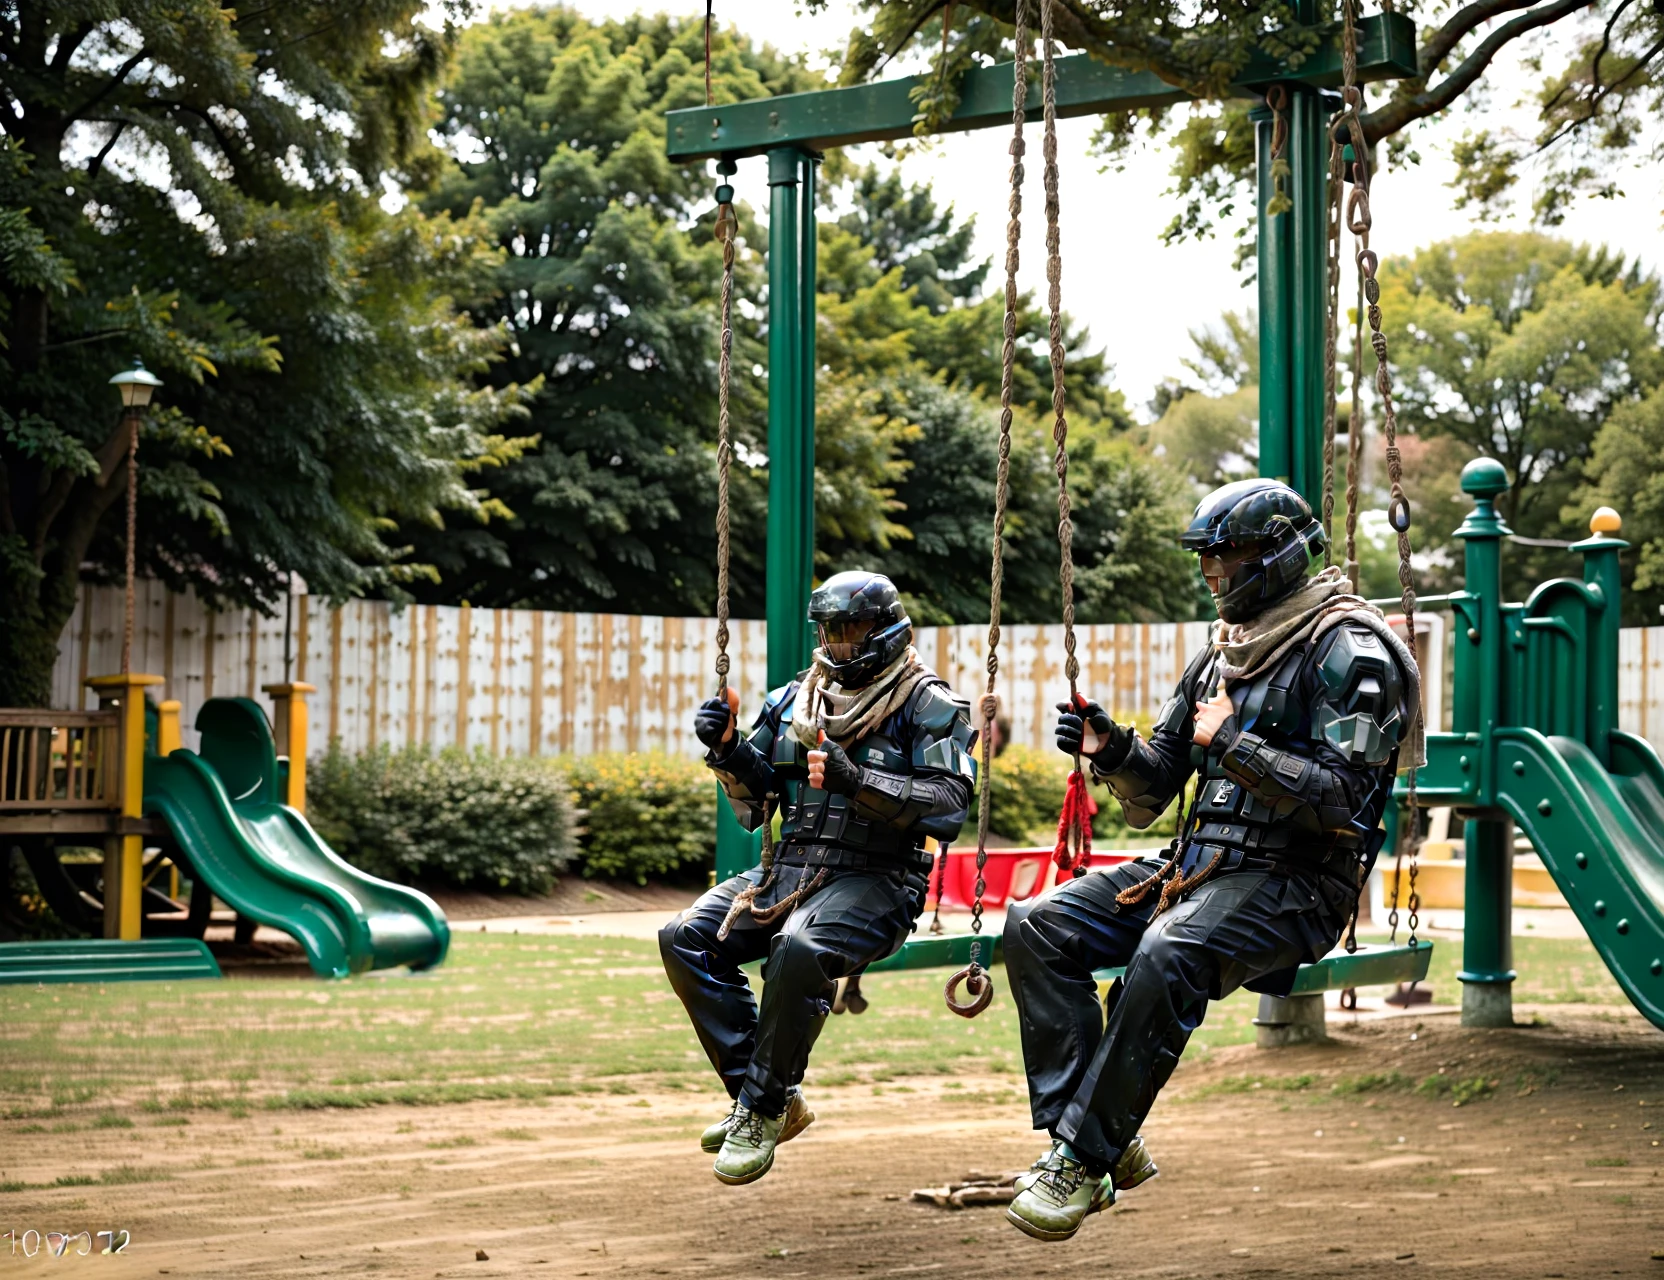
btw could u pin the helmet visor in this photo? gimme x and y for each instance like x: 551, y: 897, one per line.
x: 844, y: 638
x: 1221, y: 561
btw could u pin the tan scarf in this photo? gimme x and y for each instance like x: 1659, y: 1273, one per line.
x: 1251, y: 648
x: 860, y: 711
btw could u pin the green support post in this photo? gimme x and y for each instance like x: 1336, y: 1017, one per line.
x: 1600, y: 572
x: 1276, y: 324
x: 1487, y: 973
x: 808, y: 245
x: 1308, y: 291
x: 791, y: 445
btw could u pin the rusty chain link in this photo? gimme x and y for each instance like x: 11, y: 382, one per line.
x: 1359, y: 221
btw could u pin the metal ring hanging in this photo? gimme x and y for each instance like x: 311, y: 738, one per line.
x: 978, y: 984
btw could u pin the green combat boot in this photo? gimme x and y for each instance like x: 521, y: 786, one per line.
x: 748, y: 1150
x: 1059, y: 1196
x: 1133, y: 1169
x: 798, y: 1118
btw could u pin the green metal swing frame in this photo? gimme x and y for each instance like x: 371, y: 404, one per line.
x: 794, y: 130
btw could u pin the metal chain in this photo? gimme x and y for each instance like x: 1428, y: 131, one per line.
x: 1355, y: 440
x: 1002, y: 479
x: 1359, y: 222
x: 133, y: 416
x: 1331, y: 332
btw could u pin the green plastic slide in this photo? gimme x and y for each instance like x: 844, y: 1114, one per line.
x: 266, y: 861
x: 1600, y: 832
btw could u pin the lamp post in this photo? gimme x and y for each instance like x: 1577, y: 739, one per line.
x: 124, y: 850
x: 135, y: 385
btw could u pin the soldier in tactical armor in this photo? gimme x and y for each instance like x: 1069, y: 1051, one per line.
x: 1294, y: 718
x: 867, y: 753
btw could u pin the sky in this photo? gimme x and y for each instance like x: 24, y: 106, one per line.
x: 1139, y: 298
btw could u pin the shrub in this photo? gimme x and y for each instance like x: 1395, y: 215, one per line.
x: 644, y: 814
x: 449, y: 817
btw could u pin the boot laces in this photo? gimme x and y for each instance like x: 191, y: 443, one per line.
x: 1063, y: 1176
x: 747, y: 1126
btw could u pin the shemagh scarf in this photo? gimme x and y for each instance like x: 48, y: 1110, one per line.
x: 1248, y: 649
x: 848, y: 715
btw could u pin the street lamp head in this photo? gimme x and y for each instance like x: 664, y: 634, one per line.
x: 135, y: 385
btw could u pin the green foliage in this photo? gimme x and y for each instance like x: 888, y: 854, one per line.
x: 1519, y: 347
x: 1624, y: 473
x: 1026, y: 793
x: 447, y: 817
x: 644, y: 814
x: 201, y: 187
x: 1594, y: 110
x: 607, y: 283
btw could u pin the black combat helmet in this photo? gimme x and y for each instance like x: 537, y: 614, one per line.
x: 863, y: 626
x: 1257, y: 540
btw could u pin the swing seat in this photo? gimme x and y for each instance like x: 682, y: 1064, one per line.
x: 1369, y: 966
x: 942, y: 951
x: 1299, y: 1017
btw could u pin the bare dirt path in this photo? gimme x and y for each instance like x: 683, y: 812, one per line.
x: 1304, y: 1163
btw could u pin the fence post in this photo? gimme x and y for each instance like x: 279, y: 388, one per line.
x: 289, y: 729
x: 124, y: 851
x: 1600, y: 572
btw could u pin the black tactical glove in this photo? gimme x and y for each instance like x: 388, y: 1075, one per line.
x: 1074, y: 720
x: 843, y: 775
x: 712, y: 722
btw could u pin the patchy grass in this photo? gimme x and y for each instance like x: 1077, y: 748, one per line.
x: 527, y: 1018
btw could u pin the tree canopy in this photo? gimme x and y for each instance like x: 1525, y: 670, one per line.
x: 1593, y: 109
x: 201, y: 187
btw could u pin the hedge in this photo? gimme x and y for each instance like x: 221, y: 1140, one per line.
x: 448, y: 817
x: 644, y: 814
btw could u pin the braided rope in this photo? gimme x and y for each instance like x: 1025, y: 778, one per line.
x: 1002, y: 478
x: 1074, y: 835
x: 725, y: 229
x: 1359, y: 222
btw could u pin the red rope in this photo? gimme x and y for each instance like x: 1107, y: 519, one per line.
x: 1074, y: 826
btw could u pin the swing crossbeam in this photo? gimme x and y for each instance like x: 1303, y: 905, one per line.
x: 886, y: 112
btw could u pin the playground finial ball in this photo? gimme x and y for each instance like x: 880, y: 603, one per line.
x: 1605, y: 520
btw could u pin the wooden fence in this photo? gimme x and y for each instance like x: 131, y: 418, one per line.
x: 525, y: 681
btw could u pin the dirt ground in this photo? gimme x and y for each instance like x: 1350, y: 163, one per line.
x: 1320, y: 1161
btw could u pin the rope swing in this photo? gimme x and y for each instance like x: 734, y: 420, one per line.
x: 1074, y: 835
x: 1347, y: 128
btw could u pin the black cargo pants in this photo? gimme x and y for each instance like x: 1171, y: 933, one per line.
x: 1093, y: 1073
x: 854, y: 919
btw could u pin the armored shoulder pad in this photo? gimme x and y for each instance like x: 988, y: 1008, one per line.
x: 935, y: 707
x: 1359, y: 710
x: 943, y: 734
x: 777, y: 707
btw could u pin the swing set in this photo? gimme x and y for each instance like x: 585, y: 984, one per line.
x: 1307, y: 193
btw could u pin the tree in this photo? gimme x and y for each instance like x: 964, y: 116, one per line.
x: 1519, y: 347
x: 555, y: 126
x: 200, y: 188
x: 1624, y: 473
x: 1593, y: 110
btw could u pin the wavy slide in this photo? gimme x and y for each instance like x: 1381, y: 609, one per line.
x: 1601, y: 833
x: 266, y: 861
